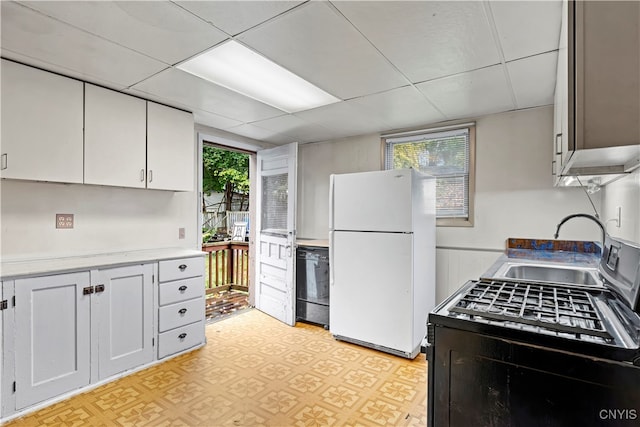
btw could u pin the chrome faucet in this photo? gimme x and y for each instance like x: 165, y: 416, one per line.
x: 582, y: 215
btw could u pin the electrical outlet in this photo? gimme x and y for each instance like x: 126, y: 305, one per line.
x: 181, y: 233
x: 64, y: 220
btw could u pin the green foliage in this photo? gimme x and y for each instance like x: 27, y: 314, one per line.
x: 444, y: 158
x: 436, y: 156
x: 224, y: 171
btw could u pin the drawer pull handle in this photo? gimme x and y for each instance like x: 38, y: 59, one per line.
x: 182, y: 267
x: 182, y: 335
x: 182, y: 311
x: 182, y: 288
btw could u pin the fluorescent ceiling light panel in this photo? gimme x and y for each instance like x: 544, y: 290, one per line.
x: 242, y: 70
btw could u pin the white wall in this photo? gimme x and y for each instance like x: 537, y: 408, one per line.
x: 624, y: 193
x: 107, y: 219
x: 316, y: 162
x: 514, y: 196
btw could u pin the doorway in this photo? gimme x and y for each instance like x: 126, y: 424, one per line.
x: 226, y: 224
x: 268, y: 255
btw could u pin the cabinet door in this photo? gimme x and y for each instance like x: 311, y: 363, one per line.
x: 562, y: 133
x: 608, y: 73
x: 52, y: 336
x: 124, y: 313
x: 170, y: 149
x: 41, y: 125
x: 115, y: 138
x: 2, y: 335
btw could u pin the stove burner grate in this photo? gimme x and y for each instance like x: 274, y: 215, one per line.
x: 557, y: 309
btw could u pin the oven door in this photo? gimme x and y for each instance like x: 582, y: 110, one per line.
x: 480, y: 380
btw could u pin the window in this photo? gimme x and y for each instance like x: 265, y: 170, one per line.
x: 447, y: 154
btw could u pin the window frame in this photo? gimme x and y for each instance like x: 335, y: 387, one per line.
x: 444, y: 221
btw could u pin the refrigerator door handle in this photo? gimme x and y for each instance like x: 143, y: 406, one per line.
x: 331, y: 179
x: 331, y: 263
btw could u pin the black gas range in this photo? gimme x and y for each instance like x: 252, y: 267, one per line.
x: 506, y: 352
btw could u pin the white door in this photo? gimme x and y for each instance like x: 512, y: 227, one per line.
x: 124, y: 314
x: 52, y: 336
x: 276, y: 232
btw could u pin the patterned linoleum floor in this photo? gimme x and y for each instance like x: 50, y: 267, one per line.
x: 255, y: 370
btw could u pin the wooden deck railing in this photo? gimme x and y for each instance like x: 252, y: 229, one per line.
x: 227, y: 266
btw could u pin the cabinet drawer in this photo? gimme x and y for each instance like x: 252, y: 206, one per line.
x: 181, y: 290
x: 179, y: 339
x: 175, y: 269
x: 180, y: 314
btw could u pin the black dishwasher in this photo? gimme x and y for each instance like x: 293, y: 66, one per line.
x: 312, y: 285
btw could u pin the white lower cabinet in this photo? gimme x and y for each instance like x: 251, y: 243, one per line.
x: 52, y: 336
x: 181, y: 305
x: 180, y: 339
x: 4, y: 305
x: 123, y: 310
x: 64, y: 332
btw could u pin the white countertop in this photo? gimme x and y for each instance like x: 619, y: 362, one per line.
x: 32, y: 267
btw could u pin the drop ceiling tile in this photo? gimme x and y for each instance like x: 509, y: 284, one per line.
x: 35, y: 62
x: 400, y: 108
x: 160, y: 29
x: 234, y: 17
x: 315, y: 42
x: 187, y: 89
x: 34, y: 35
x: 200, y: 116
x: 533, y: 79
x: 471, y: 94
x: 426, y: 39
x: 343, y: 119
x: 213, y: 120
x: 295, y: 127
x: 261, y: 134
x: 527, y: 28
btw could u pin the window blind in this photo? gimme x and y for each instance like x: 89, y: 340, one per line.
x: 275, y: 194
x: 444, y: 155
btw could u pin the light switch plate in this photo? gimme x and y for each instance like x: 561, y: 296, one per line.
x: 64, y: 220
x: 181, y: 233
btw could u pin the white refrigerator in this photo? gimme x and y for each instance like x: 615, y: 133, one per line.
x: 382, y: 258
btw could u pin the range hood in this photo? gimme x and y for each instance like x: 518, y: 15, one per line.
x: 600, y: 166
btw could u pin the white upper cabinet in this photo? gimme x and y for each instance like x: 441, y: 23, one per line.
x: 115, y: 138
x: 41, y: 125
x: 43, y: 115
x: 170, y: 148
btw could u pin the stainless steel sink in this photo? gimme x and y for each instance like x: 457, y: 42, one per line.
x: 553, y: 274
